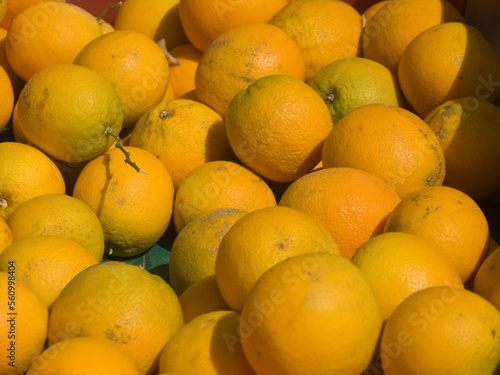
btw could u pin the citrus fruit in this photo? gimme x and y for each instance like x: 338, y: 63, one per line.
x: 277, y: 127
x: 448, y: 61
x: 7, y: 95
x: 389, y: 142
x: 157, y: 19
x: 487, y: 275
x: 305, y: 311
x: 46, y: 34
x: 134, y: 208
x: 134, y: 310
x: 14, y: 7
x: 495, y: 296
x: 395, y: 25
x: 26, y: 172
x: 204, y: 20
x: 219, y: 184
x: 351, y: 204
x: 259, y: 240
x: 468, y: 130
x: 208, y: 344
x: 194, y: 250
x: 15, y: 80
x: 82, y: 355
x: 182, y: 75
x: 450, y: 219
x: 239, y: 57
x: 46, y: 263
x: 369, y: 12
x: 24, y: 328
x: 134, y: 64
x: 324, y: 30
x: 3, y: 9
x: 58, y: 215
x: 398, y: 264
x: 5, y: 235
x: 442, y: 330
x: 183, y: 134
x: 349, y: 83
x: 202, y: 297
x: 16, y: 127
x: 66, y: 110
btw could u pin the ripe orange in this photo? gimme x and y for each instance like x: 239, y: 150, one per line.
x: 488, y: 275
x: 7, y: 95
x: 371, y: 10
x: 5, y: 235
x: 182, y: 75
x: 241, y: 56
x: 16, y: 81
x: 351, y: 204
x: 206, y: 20
x: 14, y: 7
x: 277, y: 127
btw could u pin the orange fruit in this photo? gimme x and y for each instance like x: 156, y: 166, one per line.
x: 182, y: 134
x: 429, y: 77
x: 305, y: 311
x: 202, y: 297
x: 15, y: 80
x: 135, y: 66
x: 239, y: 57
x: 58, y: 215
x: 398, y: 264
x: 82, y: 355
x: 134, y: 208
x: 450, y: 219
x: 182, y: 75
x: 488, y: 275
x: 495, y: 296
x: 46, y: 263
x: 14, y: 7
x: 66, y: 110
x: 16, y: 127
x: 125, y: 305
x: 3, y: 9
x: 157, y: 19
x: 442, y: 330
x: 25, y: 172
x: 7, y: 95
x: 204, y: 20
x: 219, y: 184
x: 351, y: 204
x: 23, y: 335
x: 468, y: 130
x: 194, y: 250
x: 208, y: 344
x: 371, y: 10
x: 324, y: 30
x: 277, y: 127
x: 389, y: 142
x: 46, y: 34
x: 5, y: 235
x: 349, y: 83
x: 395, y: 25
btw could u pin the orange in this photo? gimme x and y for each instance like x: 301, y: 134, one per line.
x: 58, y: 215
x: 219, y: 184
x: 5, y: 235
x: 495, y: 296
x: 157, y: 19
x: 202, y: 297
x: 349, y: 83
x: 389, y: 142
x: 442, y: 330
x: 277, y: 127
x: 16, y: 127
x: 22, y: 336
x: 239, y: 57
x: 82, y: 355
x: 14, y: 7
x: 208, y: 344
x: 182, y: 134
x: 205, y: 20
x: 324, y: 30
x: 134, y: 208
x: 468, y: 130
x: 351, y: 204
x: 48, y: 33
x: 448, y: 61
x: 135, y: 66
x: 16, y: 81
x: 398, y: 264
x: 311, y: 314
x: 395, y: 25
x: 3, y: 9
x: 194, y: 250
x: 258, y: 241
x: 450, y: 219
x: 182, y: 75
x: 66, y: 110
x: 46, y: 263
x: 123, y: 304
x: 371, y: 10
x: 7, y: 95
x: 488, y: 275
x: 25, y: 172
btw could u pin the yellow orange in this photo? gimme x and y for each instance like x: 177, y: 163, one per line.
x: 14, y: 7
x: 182, y: 75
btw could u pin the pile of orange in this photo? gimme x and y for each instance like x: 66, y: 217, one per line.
x: 248, y: 187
